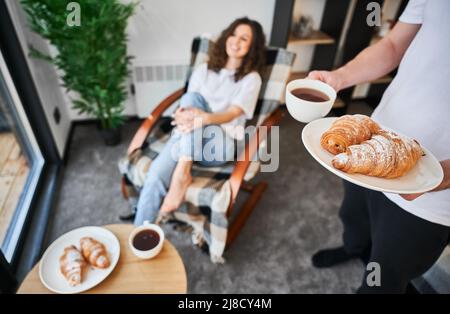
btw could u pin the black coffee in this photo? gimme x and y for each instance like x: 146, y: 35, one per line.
x: 146, y: 240
x: 309, y: 94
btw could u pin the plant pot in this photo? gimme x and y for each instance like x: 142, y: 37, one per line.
x: 111, y: 137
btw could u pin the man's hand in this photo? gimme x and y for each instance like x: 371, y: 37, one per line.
x: 188, y: 119
x: 445, y: 184
x: 411, y: 197
x: 332, y: 78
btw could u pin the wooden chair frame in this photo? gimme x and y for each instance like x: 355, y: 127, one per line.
x: 237, y: 181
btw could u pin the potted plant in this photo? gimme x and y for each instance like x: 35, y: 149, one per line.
x: 92, y: 54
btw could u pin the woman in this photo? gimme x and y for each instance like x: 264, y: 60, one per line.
x: 221, y: 95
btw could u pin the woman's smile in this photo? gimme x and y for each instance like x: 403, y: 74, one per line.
x: 238, y: 44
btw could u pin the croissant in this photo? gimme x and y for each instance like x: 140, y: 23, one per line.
x: 94, y: 252
x: 348, y: 130
x: 72, y: 265
x: 386, y: 155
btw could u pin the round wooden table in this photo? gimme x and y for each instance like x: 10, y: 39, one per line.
x: 164, y: 273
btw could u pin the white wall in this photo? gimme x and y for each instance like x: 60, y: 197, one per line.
x: 162, y: 30
x: 44, y: 76
x: 305, y: 52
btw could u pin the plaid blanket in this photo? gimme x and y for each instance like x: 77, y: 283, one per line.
x: 207, y: 198
x: 209, y: 195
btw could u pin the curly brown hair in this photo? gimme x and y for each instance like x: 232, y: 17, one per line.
x: 255, y: 58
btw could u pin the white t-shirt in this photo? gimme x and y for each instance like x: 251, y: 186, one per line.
x: 221, y: 91
x: 417, y: 103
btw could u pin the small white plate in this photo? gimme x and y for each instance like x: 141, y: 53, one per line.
x: 425, y: 176
x: 49, y: 268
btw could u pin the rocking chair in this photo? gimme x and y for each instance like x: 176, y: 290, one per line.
x: 212, y: 195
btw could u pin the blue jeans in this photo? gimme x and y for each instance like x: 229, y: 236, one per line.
x: 209, y: 146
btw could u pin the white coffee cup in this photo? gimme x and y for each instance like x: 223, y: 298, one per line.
x: 146, y: 254
x: 304, y: 110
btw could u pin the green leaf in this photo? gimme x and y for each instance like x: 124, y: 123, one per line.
x: 93, y: 57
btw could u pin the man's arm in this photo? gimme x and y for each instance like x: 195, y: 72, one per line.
x: 374, y: 61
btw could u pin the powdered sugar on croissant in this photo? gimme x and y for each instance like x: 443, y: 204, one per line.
x: 386, y: 155
x: 94, y: 252
x: 72, y: 265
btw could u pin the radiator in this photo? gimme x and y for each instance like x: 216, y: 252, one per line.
x: 153, y: 83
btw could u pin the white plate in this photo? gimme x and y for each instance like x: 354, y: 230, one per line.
x: 49, y: 268
x: 425, y: 176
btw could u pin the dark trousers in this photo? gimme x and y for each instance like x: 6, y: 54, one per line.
x: 404, y: 245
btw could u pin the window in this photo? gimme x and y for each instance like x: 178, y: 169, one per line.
x: 21, y: 164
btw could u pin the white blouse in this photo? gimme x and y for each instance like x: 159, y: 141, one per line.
x: 221, y: 91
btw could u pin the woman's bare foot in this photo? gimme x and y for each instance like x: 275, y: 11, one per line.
x: 181, y: 179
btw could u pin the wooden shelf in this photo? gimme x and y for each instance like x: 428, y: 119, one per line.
x: 315, y: 38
